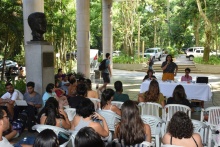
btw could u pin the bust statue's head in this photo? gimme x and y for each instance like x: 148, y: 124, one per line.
x: 37, y: 22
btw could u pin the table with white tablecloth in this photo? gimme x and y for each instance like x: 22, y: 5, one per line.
x: 198, y: 91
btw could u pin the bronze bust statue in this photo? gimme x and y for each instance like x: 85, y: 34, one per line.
x: 37, y: 22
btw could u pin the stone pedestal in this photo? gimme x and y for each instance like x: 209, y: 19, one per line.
x: 39, y: 62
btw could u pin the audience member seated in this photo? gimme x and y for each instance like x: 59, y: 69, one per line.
x: 149, y: 75
x: 70, y: 77
x: 88, y: 137
x: 59, y: 73
x: 61, y: 97
x: 187, y: 77
x: 65, y: 83
x: 179, y: 97
x: 11, y: 74
x: 81, y: 91
x: 33, y: 100
x: 72, y: 88
x: 46, y: 138
x: 180, y: 132
x: 119, y: 96
x: 107, y: 97
x: 85, y: 114
x: 91, y: 93
x: 55, y: 116
x: 131, y: 130
x: 50, y: 92
x: 4, y: 125
x: 153, y: 94
x: 8, y: 99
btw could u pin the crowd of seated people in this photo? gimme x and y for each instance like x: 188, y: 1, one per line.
x: 129, y: 131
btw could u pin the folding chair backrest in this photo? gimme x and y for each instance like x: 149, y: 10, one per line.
x: 201, y: 129
x: 170, y: 109
x: 213, y: 116
x: 96, y: 102
x: 71, y: 112
x: 150, y: 108
x: 111, y: 118
x: 152, y: 121
x: 117, y: 103
x: 143, y: 144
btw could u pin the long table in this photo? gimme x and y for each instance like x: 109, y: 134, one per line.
x: 197, y: 91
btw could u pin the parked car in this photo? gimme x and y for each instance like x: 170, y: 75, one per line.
x: 199, y: 53
x: 9, y: 63
x: 116, y: 53
x: 191, y: 50
x: 155, y: 52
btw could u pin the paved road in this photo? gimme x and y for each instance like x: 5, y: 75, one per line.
x: 181, y: 59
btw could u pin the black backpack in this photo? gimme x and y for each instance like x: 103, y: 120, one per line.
x: 102, y: 65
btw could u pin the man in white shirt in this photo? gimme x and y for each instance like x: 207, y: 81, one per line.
x: 8, y: 99
x: 4, y: 125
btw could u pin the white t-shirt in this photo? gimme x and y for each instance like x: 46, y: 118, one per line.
x: 5, y: 143
x: 16, y: 95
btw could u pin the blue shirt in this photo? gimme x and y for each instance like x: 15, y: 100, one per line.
x: 107, y: 63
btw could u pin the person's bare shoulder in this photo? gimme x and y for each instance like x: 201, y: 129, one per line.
x: 198, y: 139
x: 166, y: 138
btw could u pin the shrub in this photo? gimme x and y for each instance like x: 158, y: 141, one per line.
x: 213, y: 60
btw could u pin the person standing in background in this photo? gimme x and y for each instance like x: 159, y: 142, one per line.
x: 107, y: 73
x: 169, y: 69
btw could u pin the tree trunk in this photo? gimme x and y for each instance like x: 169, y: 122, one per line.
x: 208, y: 32
x: 196, y: 30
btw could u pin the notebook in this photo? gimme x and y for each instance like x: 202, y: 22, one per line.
x: 20, y: 102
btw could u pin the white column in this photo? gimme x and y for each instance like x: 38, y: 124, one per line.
x: 30, y: 6
x: 82, y: 31
x: 107, y: 27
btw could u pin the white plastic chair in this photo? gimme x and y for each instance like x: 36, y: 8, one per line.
x: 73, y: 135
x: 111, y: 118
x: 202, y: 129
x: 156, y: 125
x: 117, y: 103
x: 57, y: 130
x: 150, y: 108
x: 213, y: 120
x: 96, y: 102
x: 71, y: 112
x: 169, y: 145
x: 170, y: 109
x: 143, y: 144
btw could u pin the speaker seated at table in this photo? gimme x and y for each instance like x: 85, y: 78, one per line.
x: 202, y: 80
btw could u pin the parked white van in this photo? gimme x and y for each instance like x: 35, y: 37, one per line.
x: 156, y: 53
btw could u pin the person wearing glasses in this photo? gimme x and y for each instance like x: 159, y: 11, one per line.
x: 186, y: 77
x: 4, y: 125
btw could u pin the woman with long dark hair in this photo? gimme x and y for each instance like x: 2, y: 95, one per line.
x: 179, y: 97
x: 131, y: 130
x: 91, y: 93
x: 153, y: 94
x: 54, y: 116
x: 107, y: 97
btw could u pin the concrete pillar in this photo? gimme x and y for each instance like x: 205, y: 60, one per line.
x: 30, y: 6
x: 107, y: 27
x: 82, y: 31
x: 39, y: 57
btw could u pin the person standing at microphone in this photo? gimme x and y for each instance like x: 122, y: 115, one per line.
x: 169, y: 69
